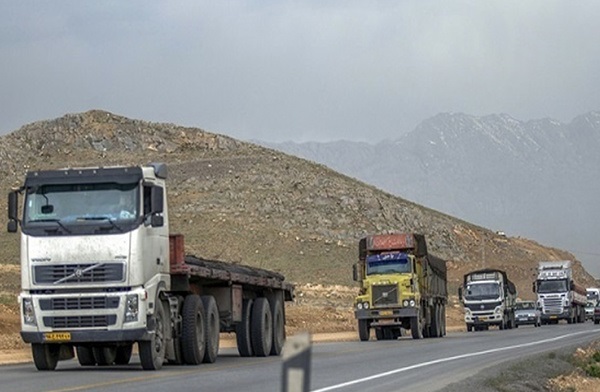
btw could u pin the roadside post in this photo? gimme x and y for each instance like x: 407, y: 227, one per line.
x: 296, y: 364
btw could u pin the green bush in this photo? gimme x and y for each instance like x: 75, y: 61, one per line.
x: 593, y: 370
x: 596, y: 356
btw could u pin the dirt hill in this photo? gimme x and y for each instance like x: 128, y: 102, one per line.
x: 239, y: 202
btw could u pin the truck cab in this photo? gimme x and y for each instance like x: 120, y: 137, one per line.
x: 94, y: 256
x: 488, y: 298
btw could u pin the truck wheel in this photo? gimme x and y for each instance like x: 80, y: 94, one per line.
x: 434, y: 328
x: 469, y: 328
x: 193, y: 344
x: 379, y: 333
x: 152, y: 352
x: 364, y: 329
x: 105, y: 355
x: 212, y: 328
x: 261, y: 327
x: 242, y: 330
x: 396, y: 333
x: 45, y: 356
x: 85, y: 356
x: 416, y: 327
x: 123, y: 354
x: 443, y: 320
x: 388, y: 333
x: 278, y: 326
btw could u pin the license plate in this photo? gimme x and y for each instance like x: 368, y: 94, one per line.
x: 483, y: 318
x: 57, y: 336
x: 386, y: 312
x: 553, y: 317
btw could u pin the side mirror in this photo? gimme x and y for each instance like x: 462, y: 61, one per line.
x: 157, y: 199
x: 354, y: 273
x: 533, y: 287
x: 459, y: 292
x: 13, y: 205
x: 157, y: 221
x: 13, y: 211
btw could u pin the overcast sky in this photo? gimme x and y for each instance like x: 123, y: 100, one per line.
x: 298, y: 70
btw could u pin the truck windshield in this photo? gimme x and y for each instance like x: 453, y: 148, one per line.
x: 552, y: 286
x: 392, y: 263
x: 72, y: 203
x: 478, y: 291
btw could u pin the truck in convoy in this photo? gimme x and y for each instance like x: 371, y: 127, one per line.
x: 489, y: 298
x: 401, y: 286
x: 100, y: 272
x: 560, y: 296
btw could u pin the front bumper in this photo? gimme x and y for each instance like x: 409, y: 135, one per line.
x: 526, y: 320
x: 487, y: 319
x: 90, y: 336
x: 389, y: 316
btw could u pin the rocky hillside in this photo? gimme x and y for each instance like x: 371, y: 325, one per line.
x: 247, y: 204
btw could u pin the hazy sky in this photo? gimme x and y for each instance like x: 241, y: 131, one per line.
x: 298, y: 70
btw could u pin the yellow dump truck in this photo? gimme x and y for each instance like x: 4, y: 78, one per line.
x: 402, y: 286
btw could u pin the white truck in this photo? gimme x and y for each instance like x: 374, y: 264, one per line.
x: 100, y: 272
x: 489, y: 298
x: 559, y: 295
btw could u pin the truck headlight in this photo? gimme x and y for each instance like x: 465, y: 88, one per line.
x: 405, y: 303
x: 412, y: 302
x: 28, y: 312
x: 366, y: 305
x: 359, y: 306
x: 132, y: 308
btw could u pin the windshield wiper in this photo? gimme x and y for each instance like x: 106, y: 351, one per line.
x: 57, y: 221
x: 99, y: 218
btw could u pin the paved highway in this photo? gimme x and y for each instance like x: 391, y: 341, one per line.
x: 415, y: 365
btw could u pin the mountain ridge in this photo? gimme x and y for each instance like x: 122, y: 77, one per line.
x: 494, y: 170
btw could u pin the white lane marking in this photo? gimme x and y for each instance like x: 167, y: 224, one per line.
x: 441, y: 360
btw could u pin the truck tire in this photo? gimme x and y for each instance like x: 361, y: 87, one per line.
x: 416, y: 327
x: 379, y: 333
x: 193, y: 343
x: 469, y: 328
x: 388, y: 333
x: 105, y: 355
x: 124, y: 354
x: 443, y: 320
x: 278, y: 326
x: 435, y: 326
x: 152, y: 352
x: 85, y: 356
x: 261, y: 327
x: 45, y: 356
x: 364, y: 329
x: 212, y: 328
x: 242, y: 330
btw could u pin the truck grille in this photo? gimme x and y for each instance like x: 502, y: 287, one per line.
x: 552, y: 305
x: 67, y: 322
x: 78, y: 273
x: 79, y: 303
x: 482, y: 307
x: 385, y: 295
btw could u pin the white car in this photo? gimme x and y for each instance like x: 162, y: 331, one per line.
x: 527, y: 312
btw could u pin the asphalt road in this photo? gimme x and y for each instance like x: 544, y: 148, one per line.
x: 405, y: 364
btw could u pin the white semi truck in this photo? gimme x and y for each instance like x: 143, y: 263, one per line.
x: 489, y: 298
x: 100, y: 272
x: 559, y: 295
